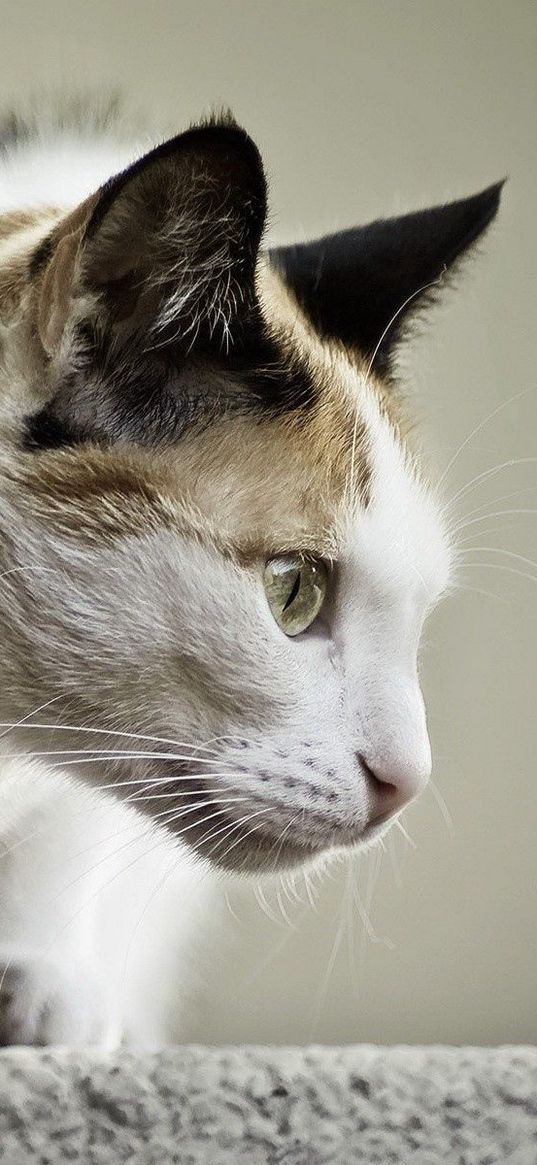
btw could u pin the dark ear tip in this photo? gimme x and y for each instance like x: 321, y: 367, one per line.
x: 224, y: 126
x: 228, y: 150
x: 221, y: 128
x: 489, y: 199
x: 230, y: 146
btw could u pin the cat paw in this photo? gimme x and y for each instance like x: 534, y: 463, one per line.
x: 42, y: 1004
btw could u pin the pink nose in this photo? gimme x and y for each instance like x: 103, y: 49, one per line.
x: 391, y: 787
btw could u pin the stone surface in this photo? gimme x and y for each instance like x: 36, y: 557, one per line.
x: 270, y: 1106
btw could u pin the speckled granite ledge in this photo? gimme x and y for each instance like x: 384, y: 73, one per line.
x: 270, y: 1106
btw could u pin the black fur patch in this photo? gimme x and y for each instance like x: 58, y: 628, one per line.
x: 44, y: 430
x: 131, y: 383
x: 136, y: 382
x: 154, y: 397
x: 41, y: 255
x: 364, y: 282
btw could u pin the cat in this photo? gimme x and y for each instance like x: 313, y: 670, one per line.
x: 217, y: 553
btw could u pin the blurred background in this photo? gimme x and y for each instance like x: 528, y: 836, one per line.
x: 365, y: 109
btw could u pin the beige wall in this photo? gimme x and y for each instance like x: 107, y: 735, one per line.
x: 366, y: 108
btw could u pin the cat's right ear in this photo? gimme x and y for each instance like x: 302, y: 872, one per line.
x: 167, y: 248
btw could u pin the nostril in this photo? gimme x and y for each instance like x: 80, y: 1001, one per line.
x: 384, y: 798
x: 383, y: 788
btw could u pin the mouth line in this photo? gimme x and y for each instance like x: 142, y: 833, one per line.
x: 374, y: 828
x: 282, y: 835
x: 305, y: 830
x: 323, y: 824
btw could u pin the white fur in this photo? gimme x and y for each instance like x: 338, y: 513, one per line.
x: 73, y: 149
x: 96, y: 931
x: 99, y: 916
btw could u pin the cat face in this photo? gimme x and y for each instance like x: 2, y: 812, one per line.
x: 218, y: 548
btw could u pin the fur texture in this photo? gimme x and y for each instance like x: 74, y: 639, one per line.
x: 173, y: 412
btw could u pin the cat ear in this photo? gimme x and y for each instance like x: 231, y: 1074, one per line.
x: 168, y: 246
x: 361, y: 286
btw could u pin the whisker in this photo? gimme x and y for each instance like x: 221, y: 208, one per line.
x: 24, y: 569
x: 445, y: 813
x: 262, y: 901
x: 479, y: 427
x: 311, y: 899
x: 434, y: 283
x: 281, y: 838
x: 230, y: 909
x: 166, y: 797
x: 486, y: 517
x: 394, y: 863
x: 491, y: 502
x: 21, y: 841
x: 156, y: 819
x: 353, y: 960
x: 133, y: 824
x: 24, y: 720
x: 153, y: 782
x: 489, y: 531
x: 242, y: 838
x: 170, y: 816
x: 486, y: 475
x: 508, y: 569
x: 325, y: 983
x: 482, y: 592
x: 290, y: 888
x: 129, y: 756
x: 406, y: 835
x: 500, y: 550
x: 365, y: 919
x: 161, y: 882
x: 100, y: 889
x: 150, y: 796
x: 98, y: 731
x: 283, y: 911
x: 149, y: 780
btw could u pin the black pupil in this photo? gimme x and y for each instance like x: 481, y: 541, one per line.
x: 293, y: 592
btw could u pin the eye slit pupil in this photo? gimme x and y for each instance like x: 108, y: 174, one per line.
x: 295, y: 587
x: 293, y: 593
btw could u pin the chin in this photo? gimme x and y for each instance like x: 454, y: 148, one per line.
x: 258, y: 852
x: 259, y: 855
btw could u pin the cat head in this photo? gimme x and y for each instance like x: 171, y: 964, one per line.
x: 217, y: 546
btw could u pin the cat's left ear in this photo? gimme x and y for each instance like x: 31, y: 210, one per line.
x: 362, y: 285
x: 167, y: 248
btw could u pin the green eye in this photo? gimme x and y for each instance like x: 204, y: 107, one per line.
x: 295, y: 588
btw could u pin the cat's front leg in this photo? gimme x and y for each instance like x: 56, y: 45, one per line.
x: 53, y: 987
x: 43, y: 1002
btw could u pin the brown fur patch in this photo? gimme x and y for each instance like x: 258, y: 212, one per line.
x: 14, y: 221
x: 336, y: 424
x: 20, y: 233
x: 252, y: 487
x: 336, y: 365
